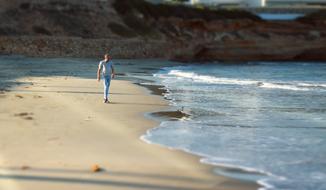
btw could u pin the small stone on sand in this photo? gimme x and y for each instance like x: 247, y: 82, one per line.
x: 96, y: 168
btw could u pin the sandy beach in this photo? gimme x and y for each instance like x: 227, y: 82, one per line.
x: 55, y: 129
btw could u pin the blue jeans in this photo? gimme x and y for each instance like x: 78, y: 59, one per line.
x: 106, y: 82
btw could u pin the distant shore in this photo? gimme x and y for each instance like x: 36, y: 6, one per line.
x: 138, y: 29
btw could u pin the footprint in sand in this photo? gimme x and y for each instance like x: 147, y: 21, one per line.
x: 89, y: 118
x: 25, y: 167
x: 24, y: 115
x: 29, y: 118
x: 19, y: 96
x: 37, y: 96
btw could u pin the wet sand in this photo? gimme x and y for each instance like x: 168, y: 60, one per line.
x: 171, y: 115
x: 57, y: 134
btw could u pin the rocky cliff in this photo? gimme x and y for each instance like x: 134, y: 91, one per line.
x: 137, y: 29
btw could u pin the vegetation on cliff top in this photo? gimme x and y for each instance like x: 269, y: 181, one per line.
x: 315, y: 16
x: 156, y: 11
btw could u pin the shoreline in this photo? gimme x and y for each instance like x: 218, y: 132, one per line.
x: 250, y: 175
x: 18, y: 170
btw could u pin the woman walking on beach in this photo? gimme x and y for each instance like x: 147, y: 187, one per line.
x: 106, y: 66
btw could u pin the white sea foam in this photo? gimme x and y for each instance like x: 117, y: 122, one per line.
x: 312, y: 85
x: 210, y: 79
x: 296, y: 86
x: 283, y: 86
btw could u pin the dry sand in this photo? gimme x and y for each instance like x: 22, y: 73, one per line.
x: 55, y: 130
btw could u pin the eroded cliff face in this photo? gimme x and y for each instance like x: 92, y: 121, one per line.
x: 203, y: 35
x: 137, y: 29
x: 290, y: 40
x: 266, y: 41
x: 75, y: 18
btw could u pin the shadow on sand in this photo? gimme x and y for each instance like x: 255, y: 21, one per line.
x: 67, y: 92
x: 102, y: 182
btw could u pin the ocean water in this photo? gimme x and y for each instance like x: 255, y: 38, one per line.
x: 280, y: 16
x: 13, y: 67
x: 266, y: 118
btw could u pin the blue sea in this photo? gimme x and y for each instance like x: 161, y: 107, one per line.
x: 265, y: 118
x: 280, y: 16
